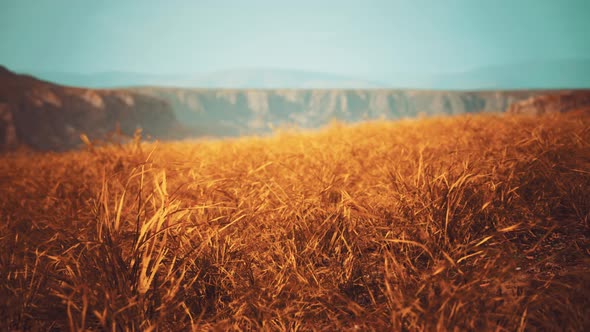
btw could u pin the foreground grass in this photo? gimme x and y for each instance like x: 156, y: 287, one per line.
x: 462, y: 223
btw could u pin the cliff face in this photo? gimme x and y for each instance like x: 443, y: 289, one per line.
x: 564, y: 101
x: 234, y: 112
x: 45, y: 116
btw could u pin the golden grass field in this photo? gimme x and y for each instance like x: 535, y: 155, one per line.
x: 462, y: 223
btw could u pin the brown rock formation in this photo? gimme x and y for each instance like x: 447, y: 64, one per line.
x: 564, y: 101
x: 46, y: 116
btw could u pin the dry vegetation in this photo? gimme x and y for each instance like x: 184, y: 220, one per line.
x: 467, y: 223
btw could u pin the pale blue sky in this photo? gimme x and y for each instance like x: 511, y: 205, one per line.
x: 358, y: 38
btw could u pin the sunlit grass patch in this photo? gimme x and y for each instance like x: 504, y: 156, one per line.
x: 473, y: 222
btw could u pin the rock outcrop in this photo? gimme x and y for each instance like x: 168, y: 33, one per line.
x: 563, y: 101
x: 45, y: 116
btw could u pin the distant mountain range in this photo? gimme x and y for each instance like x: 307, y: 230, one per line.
x: 233, y: 79
x: 550, y: 74
x: 47, y: 116
x: 557, y: 74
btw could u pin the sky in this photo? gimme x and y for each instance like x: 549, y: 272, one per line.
x: 356, y: 38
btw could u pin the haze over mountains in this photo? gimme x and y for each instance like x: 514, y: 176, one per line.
x: 547, y: 74
x: 261, y: 78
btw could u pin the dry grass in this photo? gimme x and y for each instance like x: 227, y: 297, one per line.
x: 467, y: 223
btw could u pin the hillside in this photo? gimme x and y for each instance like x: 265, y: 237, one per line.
x: 46, y: 116
x: 469, y: 223
x: 228, y: 112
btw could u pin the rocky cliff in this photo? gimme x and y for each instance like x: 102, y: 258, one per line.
x: 563, y: 101
x: 233, y: 112
x: 46, y: 116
